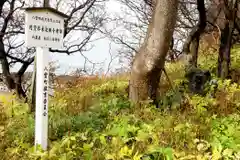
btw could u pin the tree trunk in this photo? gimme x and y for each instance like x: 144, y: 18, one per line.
x: 19, y: 89
x: 194, y: 36
x: 226, y: 40
x: 171, y: 53
x: 224, y: 52
x: 148, y: 63
x: 32, y: 95
x: 45, y: 3
x: 194, y: 51
x: 8, y: 79
x: 13, y: 82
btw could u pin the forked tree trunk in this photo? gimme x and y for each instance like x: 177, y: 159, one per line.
x: 148, y: 63
x: 12, y: 82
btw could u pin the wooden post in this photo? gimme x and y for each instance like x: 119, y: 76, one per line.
x: 42, y: 86
x: 43, y: 41
x: 46, y: 3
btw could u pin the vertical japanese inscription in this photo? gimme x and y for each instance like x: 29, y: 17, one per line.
x: 45, y: 90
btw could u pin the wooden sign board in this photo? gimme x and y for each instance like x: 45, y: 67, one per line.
x: 44, y: 27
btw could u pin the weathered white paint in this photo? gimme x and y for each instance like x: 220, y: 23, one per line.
x: 42, y: 81
x: 44, y: 29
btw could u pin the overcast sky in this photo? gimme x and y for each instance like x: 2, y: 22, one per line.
x: 99, y: 53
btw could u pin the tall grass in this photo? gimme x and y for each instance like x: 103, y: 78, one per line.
x: 92, y: 118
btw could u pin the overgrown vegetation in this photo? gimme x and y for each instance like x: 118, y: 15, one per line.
x: 93, y: 119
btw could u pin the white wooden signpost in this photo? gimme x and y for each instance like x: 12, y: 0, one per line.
x: 44, y: 29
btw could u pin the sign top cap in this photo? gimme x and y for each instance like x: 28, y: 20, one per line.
x: 47, y: 9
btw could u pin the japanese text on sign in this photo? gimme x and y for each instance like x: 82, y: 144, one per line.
x: 46, y: 19
x: 39, y: 28
x: 45, y: 90
x: 44, y: 29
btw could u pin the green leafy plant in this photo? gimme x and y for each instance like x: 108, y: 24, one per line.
x: 94, y: 120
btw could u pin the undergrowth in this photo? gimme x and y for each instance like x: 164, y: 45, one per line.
x: 93, y: 119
